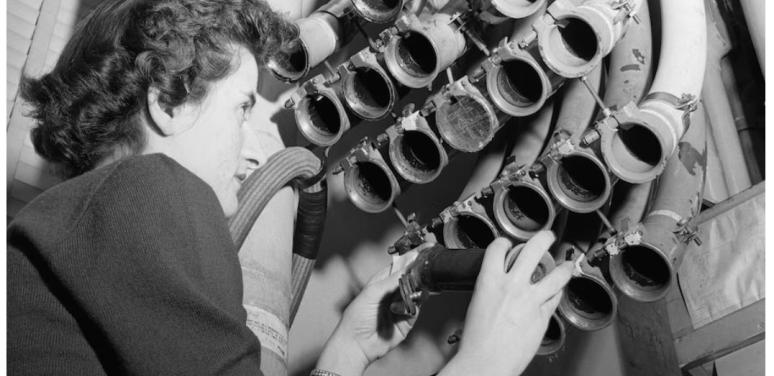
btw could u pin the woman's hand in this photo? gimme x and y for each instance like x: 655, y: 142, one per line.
x: 368, y: 329
x: 508, y: 315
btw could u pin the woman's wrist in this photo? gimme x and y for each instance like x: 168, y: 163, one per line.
x: 342, y: 356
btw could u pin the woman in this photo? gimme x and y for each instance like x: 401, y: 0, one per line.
x: 128, y: 266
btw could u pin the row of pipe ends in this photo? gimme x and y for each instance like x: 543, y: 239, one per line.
x: 635, y: 140
x: 658, y: 134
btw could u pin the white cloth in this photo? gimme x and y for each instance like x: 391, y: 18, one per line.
x: 726, y: 273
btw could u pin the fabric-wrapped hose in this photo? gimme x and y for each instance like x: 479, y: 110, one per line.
x: 271, y: 297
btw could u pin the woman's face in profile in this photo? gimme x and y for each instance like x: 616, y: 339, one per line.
x: 212, y: 147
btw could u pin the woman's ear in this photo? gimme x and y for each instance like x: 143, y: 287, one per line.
x: 168, y: 120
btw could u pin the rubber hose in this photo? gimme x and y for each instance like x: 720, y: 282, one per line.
x: 310, y: 222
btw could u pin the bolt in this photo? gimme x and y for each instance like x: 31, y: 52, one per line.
x: 289, y: 104
x: 591, y: 136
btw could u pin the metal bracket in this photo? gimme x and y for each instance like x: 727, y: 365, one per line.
x: 688, y: 232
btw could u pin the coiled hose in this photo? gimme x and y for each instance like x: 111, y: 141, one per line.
x: 270, y: 307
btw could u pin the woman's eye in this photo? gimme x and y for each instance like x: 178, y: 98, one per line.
x: 245, y: 110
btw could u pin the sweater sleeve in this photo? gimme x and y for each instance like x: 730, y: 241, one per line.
x: 149, y: 271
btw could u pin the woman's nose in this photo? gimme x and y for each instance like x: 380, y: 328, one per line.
x: 251, y: 155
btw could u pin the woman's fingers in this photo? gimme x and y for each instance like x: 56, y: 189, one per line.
x: 550, y: 305
x: 531, y: 254
x: 553, y: 283
x: 494, y: 257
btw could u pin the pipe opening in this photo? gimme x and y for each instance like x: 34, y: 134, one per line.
x: 419, y: 153
x: 416, y: 55
x: 573, y: 42
x: 553, y: 333
x: 637, y: 145
x: 371, y: 185
x: 519, y: 83
x: 465, y: 123
x: 379, y: 6
x: 589, y: 299
x: 526, y: 208
x: 320, y: 118
x: 468, y: 231
x: 645, y: 268
x: 581, y: 179
x: 369, y: 92
x: 291, y: 64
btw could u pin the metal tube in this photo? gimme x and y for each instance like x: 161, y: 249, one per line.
x: 366, y: 87
x: 467, y: 225
x: 554, y: 338
x: 320, y: 116
x: 521, y: 204
x: 575, y: 176
x: 420, y: 48
x: 324, y: 31
x: 589, y: 302
x: 647, y: 263
x: 573, y: 38
x: 369, y: 179
x: 517, y: 80
x: 638, y: 140
x: 415, y: 152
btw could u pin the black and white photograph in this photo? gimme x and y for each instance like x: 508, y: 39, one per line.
x: 385, y: 187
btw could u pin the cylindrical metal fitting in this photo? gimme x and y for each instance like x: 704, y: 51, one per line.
x: 517, y: 81
x: 522, y: 207
x: 589, y: 302
x: 377, y: 11
x: 421, y: 48
x: 554, y: 338
x: 366, y: 87
x: 415, y: 152
x: 635, y: 143
x: 573, y: 38
x: 645, y: 268
x: 318, y: 38
x: 369, y: 180
x: 320, y: 116
x: 578, y: 180
x: 517, y: 8
x: 465, y: 119
x: 469, y: 226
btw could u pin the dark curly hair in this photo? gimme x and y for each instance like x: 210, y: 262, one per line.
x: 88, y: 107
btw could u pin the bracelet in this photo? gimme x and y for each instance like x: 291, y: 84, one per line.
x: 322, y: 372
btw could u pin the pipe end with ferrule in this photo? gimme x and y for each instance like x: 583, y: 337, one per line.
x: 518, y: 84
x: 523, y: 208
x: 367, y: 88
x: 579, y: 181
x: 468, y: 230
x: 370, y: 184
x: 378, y: 11
x: 320, y: 117
x: 554, y: 337
x: 636, y: 143
x: 588, y: 303
x: 642, y: 272
x: 417, y: 155
x: 518, y: 8
x: 290, y: 64
x: 570, y: 41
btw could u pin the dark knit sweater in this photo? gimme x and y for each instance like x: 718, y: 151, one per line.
x: 128, y: 269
